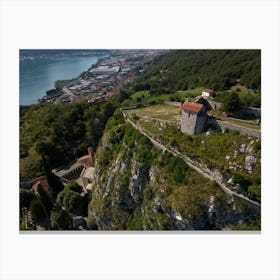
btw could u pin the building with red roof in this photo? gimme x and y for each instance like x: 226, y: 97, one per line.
x: 86, y: 161
x: 193, y: 118
x: 44, y: 183
x: 192, y: 107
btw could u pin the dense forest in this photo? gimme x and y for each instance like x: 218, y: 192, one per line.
x: 188, y: 69
x: 58, y: 133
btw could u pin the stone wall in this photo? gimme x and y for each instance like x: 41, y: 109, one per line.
x: 243, y: 111
x: 243, y: 130
x: 254, y: 122
x: 178, y: 104
x: 249, y: 112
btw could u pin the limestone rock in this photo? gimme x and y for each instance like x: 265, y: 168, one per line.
x: 249, y: 148
x: 242, y: 148
x: 250, y: 162
x: 231, y: 181
x: 156, y: 207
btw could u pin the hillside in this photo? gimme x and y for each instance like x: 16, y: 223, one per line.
x: 59, y: 133
x: 147, y: 174
x: 184, y: 73
x: 188, y: 69
x: 139, y: 187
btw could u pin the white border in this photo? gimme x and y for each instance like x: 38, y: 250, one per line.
x: 156, y: 24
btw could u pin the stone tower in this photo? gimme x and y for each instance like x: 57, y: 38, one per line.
x: 193, y: 118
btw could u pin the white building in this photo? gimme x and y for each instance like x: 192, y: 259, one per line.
x: 208, y: 93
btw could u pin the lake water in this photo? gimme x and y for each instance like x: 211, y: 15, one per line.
x: 38, y: 75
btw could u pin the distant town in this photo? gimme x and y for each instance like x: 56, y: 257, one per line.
x: 104, y: 79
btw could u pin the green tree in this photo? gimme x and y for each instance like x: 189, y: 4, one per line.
x: 255, y: 190
x: 71, y: 201
x: 177, y: 97
x: 26, y: 197
x: 45, y: 199
x: 231, y: 103
x: 53, y: 181
x: 73, y: 186
x: 32, y: 162
x: 61, y: 220
x: 37, y: 210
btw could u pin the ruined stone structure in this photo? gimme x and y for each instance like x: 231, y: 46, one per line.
x: 193, y: 118
x: 75, y: 169
x: 68, y: 172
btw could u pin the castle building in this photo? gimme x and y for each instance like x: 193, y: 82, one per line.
x: 193, y: 118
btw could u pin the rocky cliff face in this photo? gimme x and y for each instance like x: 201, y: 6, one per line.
x: 138, y: 187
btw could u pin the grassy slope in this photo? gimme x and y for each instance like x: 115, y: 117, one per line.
x: 180, y: 189
x: 211, y: 150
x: 161, y: 111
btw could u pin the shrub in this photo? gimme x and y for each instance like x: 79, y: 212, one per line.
x: 152, y: 102
x: 26, y: 197
x: 257, y: 146
x: 175, y: 166
x: 73, y: 186
x: 148, y: 193
x: 37, y: 210
x: 134, y: 117
x: 235, y: 132
x: 71, y: 201
x: 232, y: 103
x: 255, y: 190
x: 61, y: 220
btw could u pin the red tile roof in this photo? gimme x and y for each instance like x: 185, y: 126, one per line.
x: 86, y: 160
x: 192, y: 107
x: 43, y: 183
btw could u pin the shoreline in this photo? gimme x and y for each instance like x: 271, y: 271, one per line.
x: 39, y: 100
